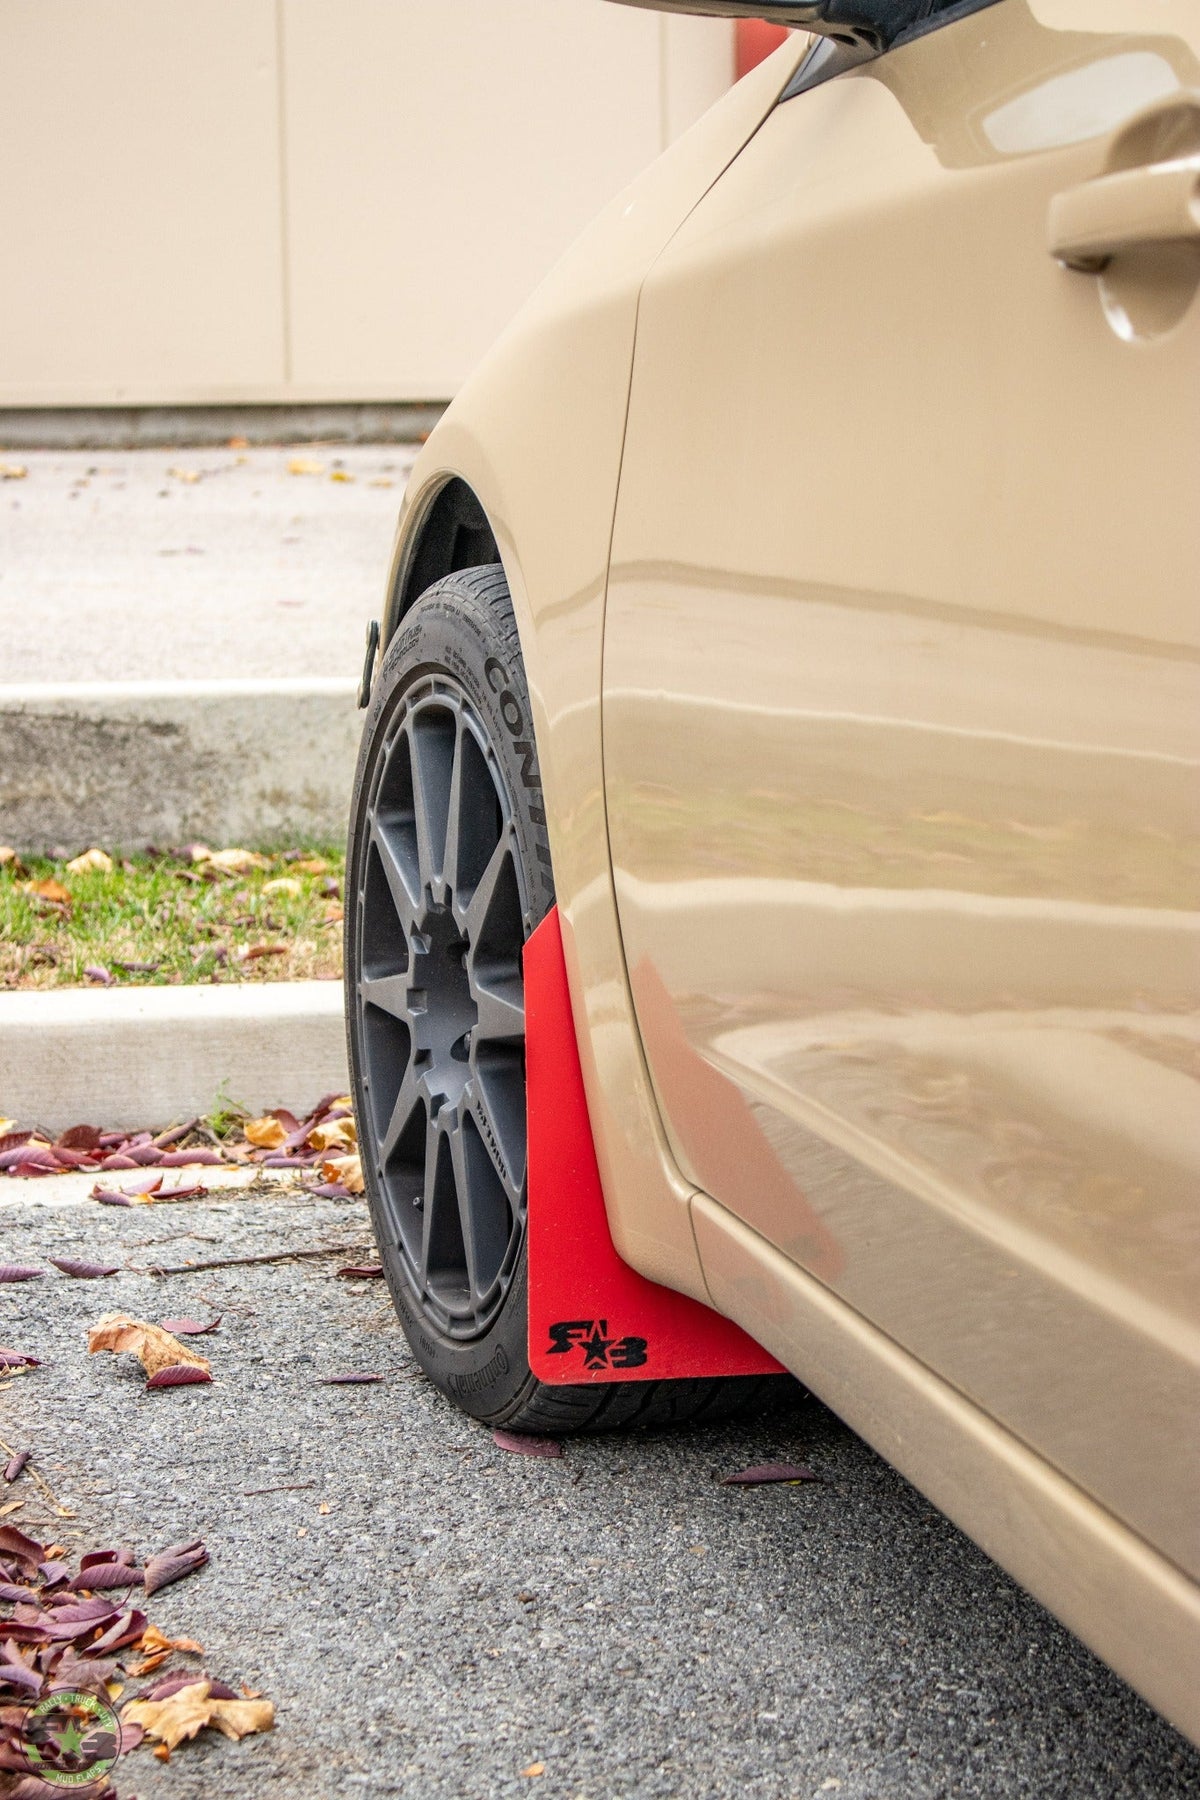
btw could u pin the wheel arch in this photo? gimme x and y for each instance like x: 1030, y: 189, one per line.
x: 450, y: 530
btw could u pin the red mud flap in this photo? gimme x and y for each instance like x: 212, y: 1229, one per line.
x: 592, y: 1317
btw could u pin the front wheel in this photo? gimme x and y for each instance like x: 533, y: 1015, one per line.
x: 448, y: 873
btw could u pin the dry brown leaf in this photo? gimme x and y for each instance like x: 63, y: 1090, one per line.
x: 534, y: 1769
x: 335, y: 1134
x: 154, y: 1348
x: 312, y: 865
x: 7, y: 854
x: 189, y: 1709
x: 49, y: 889
x: 305, y: 465
x: 88, y: 860
x: 266, y: 1133
x: 282, y: 884
x: 345, y: 1169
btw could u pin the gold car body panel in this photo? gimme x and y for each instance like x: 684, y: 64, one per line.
x: 536, y: 434
x: 902, y: 738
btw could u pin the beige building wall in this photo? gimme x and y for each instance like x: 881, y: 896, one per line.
x: 288, y: 200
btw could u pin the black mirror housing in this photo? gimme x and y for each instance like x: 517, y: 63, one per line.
x: 874, y: 23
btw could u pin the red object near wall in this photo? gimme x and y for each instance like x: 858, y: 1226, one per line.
x: 755, y: 42
x: 592, y: 1317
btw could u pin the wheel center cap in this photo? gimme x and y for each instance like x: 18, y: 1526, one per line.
x: 441, y: 1010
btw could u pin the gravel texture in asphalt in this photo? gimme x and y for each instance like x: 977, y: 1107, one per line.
x: 436, y: 1618
x: 170, y: 565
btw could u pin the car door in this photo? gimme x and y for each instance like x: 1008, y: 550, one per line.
x: 902, y: 717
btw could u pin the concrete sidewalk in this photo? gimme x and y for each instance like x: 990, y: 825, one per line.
x: 113, y: 568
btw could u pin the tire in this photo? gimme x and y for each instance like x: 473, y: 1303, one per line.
x: 448, y: 872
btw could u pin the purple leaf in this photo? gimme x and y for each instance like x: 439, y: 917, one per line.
x: 178, y: 1375
x: 122, y: 1554
x: 128, y: 1628
x: 352, y: 1378
x: 361, y: 1271
x: 761, y: 1473
x: 100, y: 1576
x: 330, y: 1190
x: 83, y: 1271
x: 98, y: 973
x: 173, y: 1563
x: 15, y: 1674
x: 111, y: 1197
x: 78, y: 1137
x: 118, y: 1160
x: 14, y: 1467
x: 17, y: 1359
x: 521, y: 1444
x: 15, y: 1594
x: 19, y: 1272
x: 13, y: 1542
x: 171, y: 1684
x: 182, y: 1159
x: 190, y: 1327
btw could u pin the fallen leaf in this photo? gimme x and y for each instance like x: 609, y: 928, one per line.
x: 334, y: 1134
x: 7, y: 1127
x: 15, y: 1465
x: 154, y: 1640
x: 349, y: 1380
x: 79, y: 1137
x: 254, y: 951
x: 362, y: 1271
x: 190, y: 1708
x: 154, y: 1348
x: 17, y: 1359
x: 83, y: 1271
x: 761, y: 1473
x: 7, y: 855
x: 239, y: 443
x: 346, y: 1170
x: 99, y: 975
x: 188, y: 475
x: 190, y: 1327
x: 178, y: 1375
x: 305, y: 465
x: 102, y: 1575
x: 19, y: 1272
x: 90, y: 859
x: 234, y: 861
x: 534, y: 1769
x: 340, y: 475
x: 324, y: 1507
x: 282, y: 884
x: 13, y: 471
x: 48, y: 889
x: 519, y: 1443
x: 173, y: 1563
x: 266, y: 1133
x: 308, y: 865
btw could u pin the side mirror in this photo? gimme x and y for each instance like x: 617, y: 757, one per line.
x: 874, y: 23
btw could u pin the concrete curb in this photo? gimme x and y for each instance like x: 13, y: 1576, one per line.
x: 123, y: 1057
x: 124, y: 764
x: 140, y: 427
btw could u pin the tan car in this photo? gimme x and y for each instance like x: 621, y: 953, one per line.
x: 803, y: 596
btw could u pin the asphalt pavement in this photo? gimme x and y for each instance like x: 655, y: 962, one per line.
x: 437, y: 1618
x: 178, y: 564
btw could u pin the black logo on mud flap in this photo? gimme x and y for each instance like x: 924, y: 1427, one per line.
x: 590, y: 1336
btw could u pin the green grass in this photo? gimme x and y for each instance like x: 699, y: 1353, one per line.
x: 184, y: 920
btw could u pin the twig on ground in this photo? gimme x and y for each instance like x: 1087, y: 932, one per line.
x: 283, y: 1487
x: 241, y: 1262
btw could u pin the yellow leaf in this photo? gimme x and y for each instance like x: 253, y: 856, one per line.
x: 7, y: 1125
x: 188, y: 475
x: 13, y: 471
x: 182, y: 1714
x: 282, y: 884
x: 347, y: 1170
x: 235, y: 861
x: 154, y: 1348
x: 265, y: 1134
x: 335, y: 1134
x: 90, y: 859
x: 340, y: 475
x: 305, y: 465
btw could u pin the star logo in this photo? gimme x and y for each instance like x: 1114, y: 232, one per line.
x: 595, y: 1348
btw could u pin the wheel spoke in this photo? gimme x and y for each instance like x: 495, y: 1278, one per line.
x: 466, y: 1212
x: 475, y: 913
x: 492, y: 1138
x: 501, y: 1011
x: 387, y: 992
x: 431, y: 1198
x: 431, y: 784
x: 404, y: 900
x: 450, y: 855
x: 407, y: 1102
